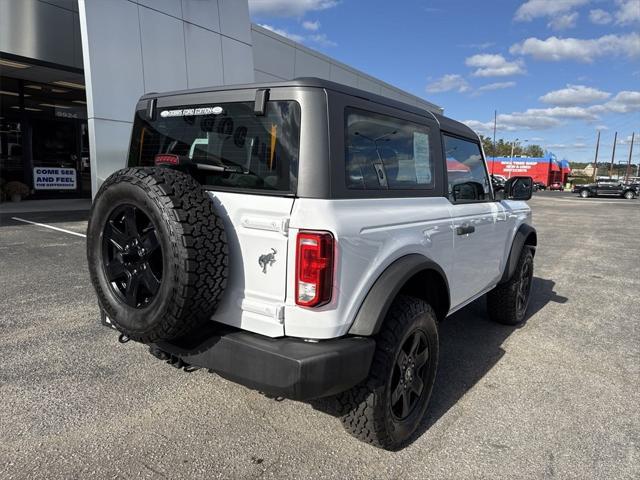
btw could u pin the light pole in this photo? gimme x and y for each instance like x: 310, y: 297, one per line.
x: 513, y: 144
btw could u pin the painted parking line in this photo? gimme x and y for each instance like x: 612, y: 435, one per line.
x: 49, y: 226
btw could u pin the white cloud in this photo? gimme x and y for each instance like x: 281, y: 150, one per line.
x: 562, y: 146
x: 483, y: 128
x: 553, y: 117
x: 321, y: 39
x: 560, y: 49
x: 493, y: 65
x: 563, y: 22
x: 533, y: 119
x: 317, y: 38
x: 574, y: 113
x: 496, y: 86
x: 599, y: 17
x: 545, y: 8
x: 624, y: 102
x: 311, y: 26
x: 479, y: 46
x: 625, y: 141
x: 291, y: 36
x: 574, y: 95
x: 515, y: 121
x: 447, y: 83
x: 628, y: 12
x: 288, y: 8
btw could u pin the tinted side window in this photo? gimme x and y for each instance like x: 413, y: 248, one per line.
x: 468, y: 180
x: 386, y: 153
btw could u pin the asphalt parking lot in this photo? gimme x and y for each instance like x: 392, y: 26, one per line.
x: 557, y: 397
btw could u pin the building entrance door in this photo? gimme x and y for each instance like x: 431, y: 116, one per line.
x: 60, y: 156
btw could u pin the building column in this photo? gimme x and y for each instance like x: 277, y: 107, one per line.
x: 130, y: 49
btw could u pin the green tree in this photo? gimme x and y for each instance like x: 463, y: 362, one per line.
x: 503, y: 148
x: 534, y: 151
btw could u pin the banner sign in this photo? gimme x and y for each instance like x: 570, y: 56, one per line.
x: 518, y: 167
x: 47, y: 178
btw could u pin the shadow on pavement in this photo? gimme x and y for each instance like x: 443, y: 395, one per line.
x: 470, y: 345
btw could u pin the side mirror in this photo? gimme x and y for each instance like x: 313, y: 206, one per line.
x: 518, y: 188
x: 467, y: 191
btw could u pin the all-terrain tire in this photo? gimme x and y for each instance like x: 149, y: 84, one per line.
x: 367, y: 409
x: 507, y: 303
x: 192, y: 264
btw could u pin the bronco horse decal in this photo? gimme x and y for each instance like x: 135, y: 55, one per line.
x: 267, y: 260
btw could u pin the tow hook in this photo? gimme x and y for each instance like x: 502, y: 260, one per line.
x: 123, y: 338
x: 172, y: 360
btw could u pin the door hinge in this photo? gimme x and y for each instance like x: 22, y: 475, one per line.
x: 267, y: 224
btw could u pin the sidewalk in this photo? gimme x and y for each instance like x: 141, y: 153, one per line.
x: 52, y: 205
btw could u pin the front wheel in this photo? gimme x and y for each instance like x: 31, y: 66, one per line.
x: 387, y: 407
x: 584, y: 193
x: 507, y: 303
x: 629, y: 195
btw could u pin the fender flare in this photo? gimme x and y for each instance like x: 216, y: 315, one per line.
x: 523, y: 233
x: 375, y: 306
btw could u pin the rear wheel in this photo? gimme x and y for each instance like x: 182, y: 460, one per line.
x: 387, y: 407
x: 507, y: 303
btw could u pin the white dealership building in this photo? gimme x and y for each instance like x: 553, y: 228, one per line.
x: 73, y: 70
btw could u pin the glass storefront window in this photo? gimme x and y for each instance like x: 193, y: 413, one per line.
x: 10, y: 150
x: 43, y: 125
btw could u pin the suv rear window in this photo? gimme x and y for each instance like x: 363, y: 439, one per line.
x: 251, y: 152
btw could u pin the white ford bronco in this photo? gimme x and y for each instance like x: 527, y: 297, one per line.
x: 305, y: 239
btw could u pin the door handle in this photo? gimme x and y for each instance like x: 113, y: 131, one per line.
x: 465, y: 229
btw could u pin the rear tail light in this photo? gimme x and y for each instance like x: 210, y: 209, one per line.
x: 166, y: 159
x: 314, y: 268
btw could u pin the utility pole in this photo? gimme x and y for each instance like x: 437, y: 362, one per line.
x: 626, y: 173
x: 513, y: 144
x: 595, y: 160
x: 495, y: 122
x: 613, y: 155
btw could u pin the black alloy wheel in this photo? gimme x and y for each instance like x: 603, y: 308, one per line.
x: 524, y: 288
x: 409, y: 375
x: 132, y: 256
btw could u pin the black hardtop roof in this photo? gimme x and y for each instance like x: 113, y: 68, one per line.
x: 446, y: 123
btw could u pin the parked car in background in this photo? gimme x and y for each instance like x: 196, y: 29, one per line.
x: 608, y: 188
x: 636, y: 187
x: 556, y: 186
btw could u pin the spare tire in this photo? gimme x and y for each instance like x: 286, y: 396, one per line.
x: 157, y: 253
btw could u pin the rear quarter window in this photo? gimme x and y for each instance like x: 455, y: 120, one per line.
x: 386, y: 153
x: 259, y: 153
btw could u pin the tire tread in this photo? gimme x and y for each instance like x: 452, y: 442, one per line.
x: 197, y: 239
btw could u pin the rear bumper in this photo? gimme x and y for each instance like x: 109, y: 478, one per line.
x: 286, y: 367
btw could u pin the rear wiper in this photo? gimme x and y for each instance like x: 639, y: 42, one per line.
x: 221, y: 168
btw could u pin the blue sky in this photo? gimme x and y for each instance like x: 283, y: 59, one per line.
x: 557, y: 71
